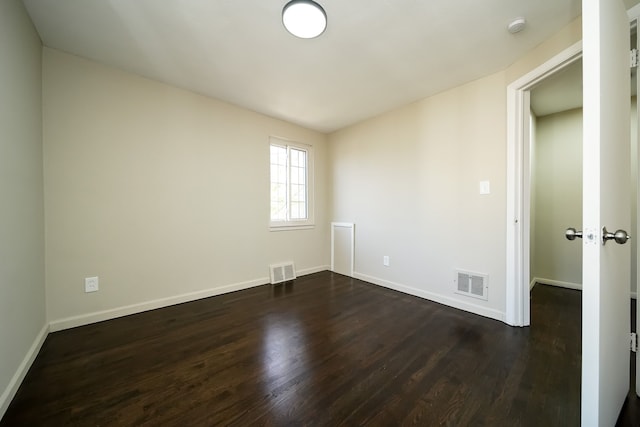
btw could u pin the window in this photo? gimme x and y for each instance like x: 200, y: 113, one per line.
x: 291, y: 184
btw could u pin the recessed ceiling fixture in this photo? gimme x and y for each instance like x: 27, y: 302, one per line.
x: 517, y: 25
x: 304, y: 18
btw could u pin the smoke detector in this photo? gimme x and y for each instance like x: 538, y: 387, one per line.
x: 517, y: 25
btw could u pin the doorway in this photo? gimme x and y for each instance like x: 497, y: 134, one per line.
x: 556, y: 178
x: 519, y: 128
x: 543, y: 95
x: 519, y: 274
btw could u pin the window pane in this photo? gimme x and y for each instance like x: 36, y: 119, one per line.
x: 288, y: 175
x: 298, y: 210
x: 294, y: 210
x: 278, y: 154
x: 295, y: 190
x: 275, y: 170
x: 281, y: 175
x: 295, y: 161
x: 278, y: 213
x: 298, y: 193
x: 278, y: 160
x: 278, y: 202
x: 297, y: 176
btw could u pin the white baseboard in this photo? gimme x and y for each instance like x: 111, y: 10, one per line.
x: 557, y: 283
x: 312, y: 270
x: 569, y: 285
x: 21, y: 372
x: 442, y: 299
x: 85, y: 319
x: 99, y: 316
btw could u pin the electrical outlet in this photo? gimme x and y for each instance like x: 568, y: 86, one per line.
x: 385, y: 261
x: 91, y: 284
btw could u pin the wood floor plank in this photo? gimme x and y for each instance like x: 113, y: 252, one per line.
x: 323, y: 350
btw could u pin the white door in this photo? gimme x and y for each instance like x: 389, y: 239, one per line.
x: 637, y: 261
x: 606, y: 171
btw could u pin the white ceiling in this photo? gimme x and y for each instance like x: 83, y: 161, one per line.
x: 375, y: 55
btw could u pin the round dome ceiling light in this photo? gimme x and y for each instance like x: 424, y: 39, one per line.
x: 517, y: 25
x: 304, y: 18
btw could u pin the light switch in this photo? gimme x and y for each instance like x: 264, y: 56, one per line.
x: 485, y: 187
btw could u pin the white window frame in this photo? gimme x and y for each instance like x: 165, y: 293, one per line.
x: 294, y: 224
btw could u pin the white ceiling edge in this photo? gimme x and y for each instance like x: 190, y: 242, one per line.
x: 375, y: 55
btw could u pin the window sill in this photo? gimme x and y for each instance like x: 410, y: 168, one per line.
x: 291, y: 227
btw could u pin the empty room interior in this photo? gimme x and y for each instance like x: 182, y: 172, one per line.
x: 206, y: 219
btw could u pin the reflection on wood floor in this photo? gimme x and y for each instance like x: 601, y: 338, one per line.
x: 323, y: 350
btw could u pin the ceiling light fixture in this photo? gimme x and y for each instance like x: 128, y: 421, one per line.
x: 304, y: 18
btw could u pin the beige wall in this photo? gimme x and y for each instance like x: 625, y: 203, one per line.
x: 163, y: 193
x: 22, y: 292
x: 409, y: 180
x: 153, y: 189
x: 557, y: 196
x: 160, y: 192
x: 139, y: 176
x: 552, y: 258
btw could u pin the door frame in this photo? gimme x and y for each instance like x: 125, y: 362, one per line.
x: 518, y: 183
x: 518, y: 308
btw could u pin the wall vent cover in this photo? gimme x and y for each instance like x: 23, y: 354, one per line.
x: 282, y: 272
x: 471, y: 284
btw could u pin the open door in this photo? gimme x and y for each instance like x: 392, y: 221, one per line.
x: 636, y: 219
x: 606, y: 171
x: 634, y: 14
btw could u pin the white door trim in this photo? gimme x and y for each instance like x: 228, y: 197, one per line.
x: 518, y: 146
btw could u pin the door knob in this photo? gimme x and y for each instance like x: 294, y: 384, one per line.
x: 620, y: 236
x: 571, y: 234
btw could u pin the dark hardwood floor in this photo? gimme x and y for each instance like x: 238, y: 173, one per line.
x: 323, y: 350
